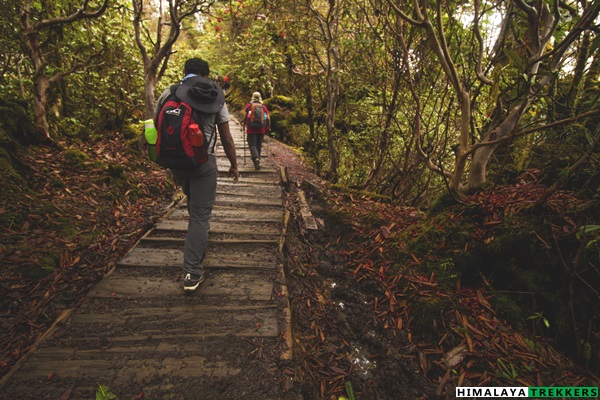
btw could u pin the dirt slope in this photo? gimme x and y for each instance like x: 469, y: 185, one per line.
x: 368, y: 318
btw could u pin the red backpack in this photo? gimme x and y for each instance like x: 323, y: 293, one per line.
x: 174, y: 146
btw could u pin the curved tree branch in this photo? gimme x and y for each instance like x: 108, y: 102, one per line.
x: 405, y: 17
x: 478, y: 69
x: 79, y: 14
x: 524, y: 132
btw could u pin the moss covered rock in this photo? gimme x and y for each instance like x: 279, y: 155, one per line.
x: 131, y: 131
x: 75, y: 157
x: 280, y: 102
x: 10, y: 178
x: 16, y: 124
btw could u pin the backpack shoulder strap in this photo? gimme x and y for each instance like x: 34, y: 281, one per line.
x: 173, y: 88
x: 171, y: 95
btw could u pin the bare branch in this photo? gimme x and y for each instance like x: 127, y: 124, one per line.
x: 137, y: 22
x: 478, y: 69
x: 405, y: 17
x: 79, y: 14
x: 524, y: 132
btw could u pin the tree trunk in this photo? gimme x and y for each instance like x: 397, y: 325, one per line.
x: 40, y: 101
x: 40, y: 80
x: 333, y: 90
x: 481, y: 156
x: 31, y: 29
x: 372, y: 180
x: 149, y: 87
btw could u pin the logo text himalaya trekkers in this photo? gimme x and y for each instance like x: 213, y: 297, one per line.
x: 491, y: 391
x: 539, y: 392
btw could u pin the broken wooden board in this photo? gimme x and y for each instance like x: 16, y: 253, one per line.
x: 307, y: 217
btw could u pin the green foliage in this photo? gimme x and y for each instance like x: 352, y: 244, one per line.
x: 509, y: 309
x: 539, y: 317
x: 107, y: 85
x: 76, y: 158
x: 104, y: 393
x: 349, y: 392
x: 10, y: 179
x: 281, y: 102
x: 72, y: 127
x: 131, y: 131
x: 16, y: 124
x: 507, y: 372
x: 294, y: 135
x: 252, y: 57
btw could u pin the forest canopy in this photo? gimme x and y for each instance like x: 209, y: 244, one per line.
x: 404, y: 99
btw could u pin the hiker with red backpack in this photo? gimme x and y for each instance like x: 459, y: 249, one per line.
x: 187, y: 117
x: 257, y: 123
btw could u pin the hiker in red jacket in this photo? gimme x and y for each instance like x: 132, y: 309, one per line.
x: 257, y: 123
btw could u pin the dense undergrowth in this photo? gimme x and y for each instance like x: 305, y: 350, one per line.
x: 68, y: 211
x: 398, y: 302
x: 488, y: 291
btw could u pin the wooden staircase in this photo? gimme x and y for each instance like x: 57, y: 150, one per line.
x: 139, y: 335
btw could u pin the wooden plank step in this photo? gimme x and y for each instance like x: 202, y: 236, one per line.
x: 169, y: 242
x: 102, y: 312
x: 232, y: 201
x: 176, y: 321
x: 266, y: 167
x: 121, y: 371
x: 255, y: 194
x: 241, y: 227
x: 266, y: 174
x: 252, y: 179
x: 149, y: 257
x: 222, y: 213
x: 240, y: 285
x: 248, y: 185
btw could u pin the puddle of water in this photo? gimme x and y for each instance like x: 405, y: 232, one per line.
x: 361, y: 362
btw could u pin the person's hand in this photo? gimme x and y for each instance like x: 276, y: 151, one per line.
x: 234, y: 173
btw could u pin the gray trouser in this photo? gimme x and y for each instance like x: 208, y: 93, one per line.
x: 201, y: 191
x: 255, y: 143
